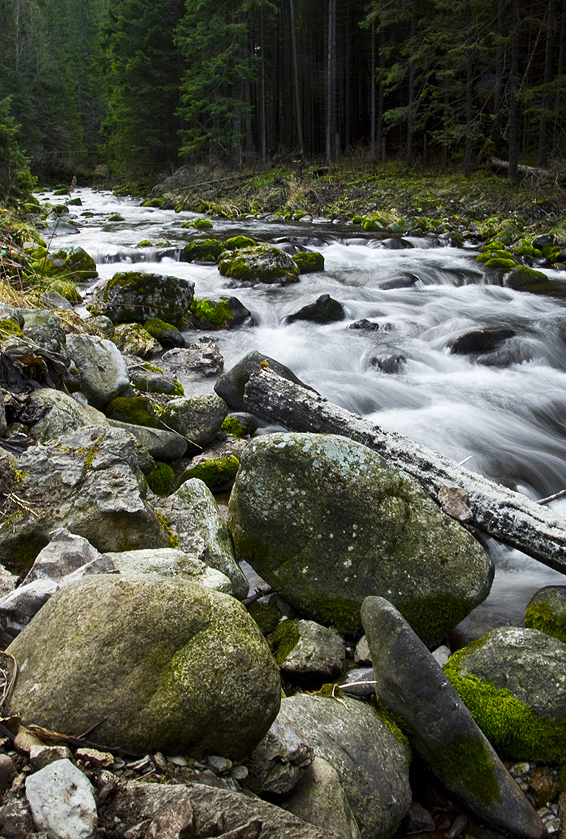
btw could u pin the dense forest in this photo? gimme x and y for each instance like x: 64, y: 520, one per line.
x: 141, y: 86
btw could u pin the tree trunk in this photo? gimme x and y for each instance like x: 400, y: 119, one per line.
x: 296, y: 78
x: 495, y: 510
x: 514, y: 89
x: 331, y: 81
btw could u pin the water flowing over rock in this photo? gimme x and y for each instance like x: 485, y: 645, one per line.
x: 326, y: 522
x: 170, y: 666
x: 412, y: 685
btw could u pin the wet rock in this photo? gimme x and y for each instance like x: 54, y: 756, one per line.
x: 365, y: 324
x: 231, y: 385
x: 61, y: 800
x: 513, y: 681
x: 389, y: 363
x: 309, y: 262
x: 161, y: 444
x: 480, y: 340
x: 202, y: 359
x: 87, y: 482
x: 202, y: 250
x: 221, y: 313
x: 171, y: 562
x: 546, y: 612
x: 259, y: 264
x: 396, y: 244
x: 440, y: 728
x: 371, y: 762
x: 195, y: 523
x: 319, y: 799
x: 65, y: 414
x: 134, y: 339
x: 403, y: 281
x: 170, y: 666
x: 279, y: 760
x: 307, y: 649
x: 102, y: 369
x: 325, y: 521
x: 197, y: 418
x: 324, y: 310
x: 167, y: 335
x: 135, y: 296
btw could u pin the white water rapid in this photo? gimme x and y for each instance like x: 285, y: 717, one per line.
x: 506, y: 410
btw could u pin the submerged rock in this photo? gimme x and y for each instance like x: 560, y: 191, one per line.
x: 157, y: 664
x: 325, y: 521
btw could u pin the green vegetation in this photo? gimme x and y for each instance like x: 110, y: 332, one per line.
x: 218, y: 473
x: 161, y: 479
x: 234, y: 427
x: 284, y: 640
x: 218, y: 313
x: 308, y: 263
x: 137, y: 410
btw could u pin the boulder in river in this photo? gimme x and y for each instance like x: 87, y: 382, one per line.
x: 546, y: 611
x: 513, y: 680
x: 221, y: 313
x: 309, y: 262
x: 231, y: 385
x: 260, y: 264
x: 324, y: 310
x: 411, y: 685
x: 326, y: 521
x: 480, y: 340
x: 156, y: 664
x: 137, y: 296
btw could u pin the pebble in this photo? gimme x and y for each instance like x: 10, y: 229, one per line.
x: 178, y: 760
x: 61, y: 801
x: 458, y: 825
x: 219, y: 764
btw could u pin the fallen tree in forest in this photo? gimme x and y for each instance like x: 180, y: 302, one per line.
x: 496, y: 510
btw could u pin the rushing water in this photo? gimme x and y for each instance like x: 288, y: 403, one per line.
x: 506, y: 411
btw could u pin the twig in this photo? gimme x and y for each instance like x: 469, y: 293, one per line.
x: 556, y: 495
x: 355, y: 684
x: 259, y: 592
x: 461, y: 462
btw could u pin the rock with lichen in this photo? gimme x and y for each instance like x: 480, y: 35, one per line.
x: 326, y: 521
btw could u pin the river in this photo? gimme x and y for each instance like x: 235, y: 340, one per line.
x: 505, y: 410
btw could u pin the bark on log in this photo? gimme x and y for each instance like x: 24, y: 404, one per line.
x: 496, y: 510
x: 536, y: 172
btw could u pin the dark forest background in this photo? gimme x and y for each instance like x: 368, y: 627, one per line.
x: 142, y: 86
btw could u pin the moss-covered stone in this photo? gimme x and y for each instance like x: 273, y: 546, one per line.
x: 161, y: 478
x: 263, y: 263
x: 237, y: 242
x: 309, y: 262
x: 218, y: 313
x: 199, y: 224
x: 547, y: 612
x: 501, y: 265
x: 203, y: 250
x: 284, y: 640
x: 234, y: 428
x: 67, y: 289
x: 512, y: 681
x: 145, y: 243
x: 137, y: 410
x: 153, y: 202
x: 8, y: 328
x: 136, y: 296
x: 218, y: 473
x: 535, y: 282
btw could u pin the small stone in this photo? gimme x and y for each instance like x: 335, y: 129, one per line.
x: 41, y: 756
x: 417, y: 820
x: 239, y: 773
x: 442, y: 654
x: 104, y: 760
x: 160, y: 761
x: 458, y: 825
x: 519, y: 769
x: 178, y: 760
x: 219, y: 764
x: 362, y: 654
x: 543, y: 785
x: 7, y: 772
x: 62, y: 801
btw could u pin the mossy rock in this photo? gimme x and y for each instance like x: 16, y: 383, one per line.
x: 161, y: 479
x: 153, y: 202
x: 165, y: 333
x: 136, y: 296
x: 263, y: 264
x: 133, y: 339
x: 547, y: 612
x: 357, y: 219
x: 216, y: 312
x: 67, y: 289
x: 522, y: 278
x: 73, y: 262
x: 284, y: 640
x: 235, y: 428
x: 145, y: 243
x: 309, y: 262
x: 372, y: 225
x: 513, y: 682
x: 238, y: 242
x: 116, y: 217
x: 203, y: 250
x: 137, y: 410
x: 218, y: 473
x: 8, y: 328
x: 199, y: 224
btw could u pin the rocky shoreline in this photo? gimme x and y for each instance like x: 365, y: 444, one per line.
x: 150, y: 673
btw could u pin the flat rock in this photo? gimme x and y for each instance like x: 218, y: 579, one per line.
x: 412, y: 685
x: 171, y: 562
x: 160, y: 443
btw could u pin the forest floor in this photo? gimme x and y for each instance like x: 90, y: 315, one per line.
x: 351, y: 189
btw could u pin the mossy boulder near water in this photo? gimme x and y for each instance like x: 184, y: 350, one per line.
x: 259, y: 264
x: 169, y: 666
x: 136, y: 296
x: 326, y: 522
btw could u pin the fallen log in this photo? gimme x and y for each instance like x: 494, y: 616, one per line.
x: 495, y: 509
x: 535, y: 172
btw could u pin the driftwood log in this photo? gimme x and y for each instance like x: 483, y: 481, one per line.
x: 495, y: 509
x: 535, y: 172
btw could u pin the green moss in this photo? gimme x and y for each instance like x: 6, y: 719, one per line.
x: 330, y: 690
x: 309, y: 262
x: 237, y: 242
x: 137, y: 410
x: 8, y: 328
x: 201, y: 224
x: 115, y: 217
x: 161, y: 478
x: 265, y: 615
x: 466, y: 760
x: 512, y: 727
x: 284, y: 640
x: 540, y: 616
x: 153, y: 202
x: 264, y: 263
x: 218, y: 473
x: 434, y: 617
x: 157, y: 327
x: 67, y: 289
x: 178, y: 389
x: 503, y: 265
x: 207, y: 250
x: 152, y: 368
x: 173, y: 540
x: 24, y: 553
x: 145, y: 243
x: 217, y: 313
x: 234, y: 427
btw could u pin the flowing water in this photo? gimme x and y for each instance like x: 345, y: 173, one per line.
x: 505, y: 410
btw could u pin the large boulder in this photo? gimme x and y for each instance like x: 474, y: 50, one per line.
x: 136, y: 296
x: 198, y: 529
x: 156, y: 664
x: 513, y: 681
x: 170, y: 562
x: 259, y: 264
x: 65, y: 414
x: 326, y: 522
x: 103, y: 372
x: 197, y: 418
x: 44, y: 329
x: 231, y: 385
x: 410, y: 684
x: 86, y: 481
x: 372, y: 761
